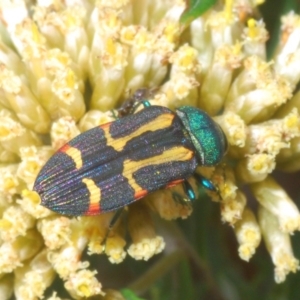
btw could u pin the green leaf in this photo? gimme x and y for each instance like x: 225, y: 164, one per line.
x: 130, y: 295
x: 195, y: 8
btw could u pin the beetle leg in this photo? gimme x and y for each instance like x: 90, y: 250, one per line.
x: 112, y: 223
x: 114, y: 114
x: 145, y: 103
x: 206, y: 183
x: 188, y: 189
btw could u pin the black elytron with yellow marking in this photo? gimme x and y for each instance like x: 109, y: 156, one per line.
x: 115, y: 164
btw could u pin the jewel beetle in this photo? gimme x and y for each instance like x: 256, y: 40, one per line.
x: 115, y: 164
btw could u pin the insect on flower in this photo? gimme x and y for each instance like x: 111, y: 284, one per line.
x: 115, y: 164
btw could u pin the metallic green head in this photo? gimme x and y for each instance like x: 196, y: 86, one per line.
x: 207, y: 136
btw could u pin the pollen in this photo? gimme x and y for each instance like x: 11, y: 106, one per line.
x: 256, y: 31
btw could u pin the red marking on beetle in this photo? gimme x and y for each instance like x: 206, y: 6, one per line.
x: 64, y: 148
x: 140, y: 194
x: 106, y: 125
x: 173, y: 183
x: 94, y: 209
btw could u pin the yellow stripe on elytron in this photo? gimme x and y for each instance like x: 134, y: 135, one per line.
x: 162, y: 121
x: 174, y: 154
x: 75, y: 154
x: 95, y: 192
